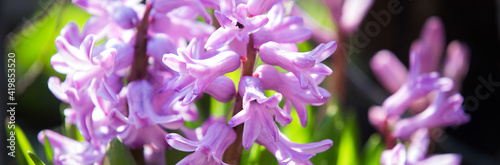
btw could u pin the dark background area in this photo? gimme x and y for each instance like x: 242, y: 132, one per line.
x: 472, y: 22
x: 33, y: 112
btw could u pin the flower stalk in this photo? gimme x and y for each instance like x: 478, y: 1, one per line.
x: 233, y: 153
x: 139, y: 66
x: 140, y: 62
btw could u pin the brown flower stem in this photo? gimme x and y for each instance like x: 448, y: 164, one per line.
x: 390, y: 142
x: 233, y: 152
x: 139, y: 66
x: 140, y: 62
x: 337, y: 87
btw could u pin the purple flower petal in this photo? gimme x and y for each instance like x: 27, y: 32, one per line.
x: 302, y: 65
x: 221, y: 89
x: 125, y: 17
x: 58, y: 89
x: 418, y: 147
x: 197, y: 74
x: 93, y: 7
x: 282, y: 29
x: 448, y: 159
x: 394, y: 156
x: 69, y: 151
x: 167, y: 6
x: 288, y: 152
x: 444, y: 111
x: 288, y: 85
x: 251, y: 129
x: 418, y: 85
x: 209, y: 149
x: 258, y: 112
x: 431, y: 43
x: 200, y: 132
x: 180, y: 143
x: 219, y: 38
x: 71, y: 33
x: 456, y: 64
x: 389, y: 70
x: 235, y: 23
x: 141, y: 110
x: 97, y: 26
x: 258, y: 7
x: 353, y: 12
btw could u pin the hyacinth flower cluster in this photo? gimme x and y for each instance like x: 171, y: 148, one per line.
x: 135, y: 70
x: 428, y: 89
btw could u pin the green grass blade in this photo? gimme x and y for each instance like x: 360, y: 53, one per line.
x: 35, y: 158
x: 118, y: 153
x: 18, y: 139
x: 373, y: 149
x: 48, y: 150
x: 348, y: 145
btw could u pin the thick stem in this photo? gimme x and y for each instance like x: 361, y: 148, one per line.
x: 140, y: 62
x: 249, y: 62
x: 233, y: 152
x: 390, y: 142
x: 139, y: 66
x: 339, y: 66
x: 335, y: 83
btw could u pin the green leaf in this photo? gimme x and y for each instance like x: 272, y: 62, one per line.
x: 22, y: 146
x: 35, y: 158
x: 317, y: 11
x: 296, y: 132
x: 173, y: 156
x: 35, y: 43
x: 305, y: 46
x: 118, y: 153
x: 48, y: 149
x: 373, y: 149
x: 235, y: 76
x: 252, y: 155
x: 72, y: 132
x: 348, y: 145
x: 331, y: 126
x: 265, y: 156
x: 218, y: 108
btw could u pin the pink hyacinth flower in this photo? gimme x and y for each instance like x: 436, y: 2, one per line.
x: 288, y: 152
x: 258, y: 111
x: 349, y: 13
x: 281, y: 28
x: 235, y: 23
x: 197, y: 70
x: 415, y: 154
x: 444, y: 111
x: 288, y: 85
x: 209, y: 149
x: 390, y: 72
x: 302, y: 64
x: 417, y: 85
x: 70, y: 151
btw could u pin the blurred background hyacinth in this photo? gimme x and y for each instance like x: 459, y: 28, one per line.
x: 342, y: 82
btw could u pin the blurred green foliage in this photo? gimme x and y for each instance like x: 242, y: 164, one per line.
x: 35, y: 158
x: 118, y: 153
x: 34, y: 44
x: 23, y: 146
x: 48, y: 149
